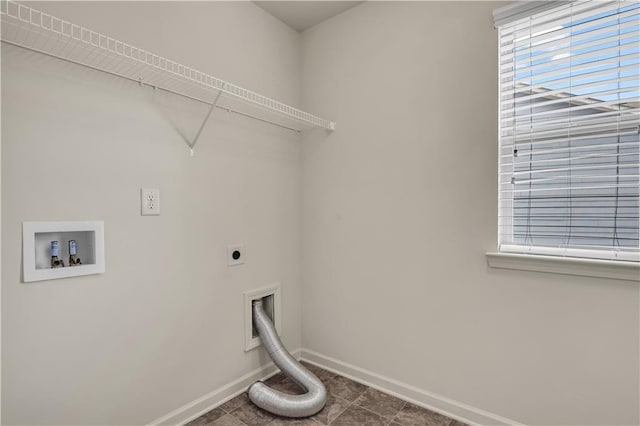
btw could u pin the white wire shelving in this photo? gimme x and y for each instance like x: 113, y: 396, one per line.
x: 37, y: 31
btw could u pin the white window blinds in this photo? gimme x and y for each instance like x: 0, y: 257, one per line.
x: 569, y: 168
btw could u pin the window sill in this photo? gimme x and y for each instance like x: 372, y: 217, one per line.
x: 618, y: 270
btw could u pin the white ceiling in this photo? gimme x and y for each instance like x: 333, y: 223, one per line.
x: 301, y: 15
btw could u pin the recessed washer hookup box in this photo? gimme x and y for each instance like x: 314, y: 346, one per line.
x: 52, y: 250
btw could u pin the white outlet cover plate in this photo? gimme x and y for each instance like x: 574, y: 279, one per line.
x: 251, y: 342
x: 243, y: 255
x: 149, y: 201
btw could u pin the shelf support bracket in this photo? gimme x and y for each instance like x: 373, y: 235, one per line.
x: 192, y: 145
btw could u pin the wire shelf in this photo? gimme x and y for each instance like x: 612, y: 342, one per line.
x: 32, y: 29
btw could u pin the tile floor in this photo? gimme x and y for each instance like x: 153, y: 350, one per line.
x: 349, y: 404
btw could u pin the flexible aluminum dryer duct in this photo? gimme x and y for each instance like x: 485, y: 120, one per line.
x: 275, y: 401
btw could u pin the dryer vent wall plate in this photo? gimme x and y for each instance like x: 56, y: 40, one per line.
x: 270, y: 297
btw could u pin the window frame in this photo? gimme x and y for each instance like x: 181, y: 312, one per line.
x: 563, y: 261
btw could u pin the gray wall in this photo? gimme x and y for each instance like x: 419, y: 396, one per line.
x: 400, y: 206
x: 396, y: 209
x: 164, y: 325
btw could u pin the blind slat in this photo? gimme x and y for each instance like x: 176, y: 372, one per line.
x: 525, y: 98
x: 612, y: 160
x: 563, y: 59
x: 605, y: 33
x: 547, y: 134
x: 589, y: 99
x: 624, y: 117
x: 586, y: 108
x: 568, y: 169
x: 577, y: 68
x: 509, y: 88
x: 525, y: 142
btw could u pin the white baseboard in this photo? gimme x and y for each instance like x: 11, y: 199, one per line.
x: 446, y: 406
x: 217, y: 397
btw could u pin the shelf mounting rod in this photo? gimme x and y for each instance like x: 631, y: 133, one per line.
x: 192, y: 145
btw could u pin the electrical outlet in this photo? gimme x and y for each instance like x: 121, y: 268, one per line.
x: 149, y: 201
x: 236, y: 255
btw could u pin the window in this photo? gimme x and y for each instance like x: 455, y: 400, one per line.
x: 569, y: 111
